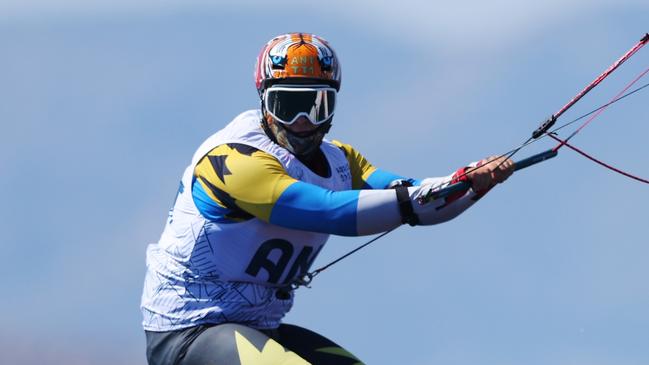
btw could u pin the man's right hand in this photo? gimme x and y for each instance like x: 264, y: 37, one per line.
x: 490, y: 171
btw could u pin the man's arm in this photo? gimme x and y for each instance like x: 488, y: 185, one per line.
x: 237, y: 182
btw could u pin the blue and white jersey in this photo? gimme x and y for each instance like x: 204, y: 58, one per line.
x: 211, y: 271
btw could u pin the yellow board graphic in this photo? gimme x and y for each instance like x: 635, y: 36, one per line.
x: 272, y: 353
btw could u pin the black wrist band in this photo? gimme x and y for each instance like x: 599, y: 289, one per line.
x: 405, y: 206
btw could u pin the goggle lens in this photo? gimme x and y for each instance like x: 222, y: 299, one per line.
x: 287, y: 104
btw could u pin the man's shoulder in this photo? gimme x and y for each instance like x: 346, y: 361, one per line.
x: 235, y: 131
x: 244, y: 123
x: 238, y: 149
x: 252, y: 114
x: 347, y: 149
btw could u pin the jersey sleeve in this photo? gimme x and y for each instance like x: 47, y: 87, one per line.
x: 365, y: 175
x: 235, y: 182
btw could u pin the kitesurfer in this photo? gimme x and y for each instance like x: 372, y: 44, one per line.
x: 256, y: 205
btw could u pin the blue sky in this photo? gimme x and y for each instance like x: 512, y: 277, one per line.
x: 102, y: 105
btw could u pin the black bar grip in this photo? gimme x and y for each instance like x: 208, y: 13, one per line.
x: 532, y: 160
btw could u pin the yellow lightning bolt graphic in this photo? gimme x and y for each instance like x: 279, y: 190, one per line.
x: 340, y: 352
x: 272, y: 353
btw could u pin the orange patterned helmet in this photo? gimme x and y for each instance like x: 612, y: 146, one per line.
x: 297, y: 58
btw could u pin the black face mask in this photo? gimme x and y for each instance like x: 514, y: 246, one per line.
x: 302, y: 145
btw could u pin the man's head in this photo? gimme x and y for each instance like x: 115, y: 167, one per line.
x: 297, y: 77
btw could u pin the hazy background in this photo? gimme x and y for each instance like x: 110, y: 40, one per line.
x: 103, y: 103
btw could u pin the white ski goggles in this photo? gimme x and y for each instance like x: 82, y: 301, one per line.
x: 287, y: 103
